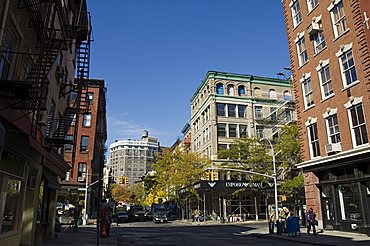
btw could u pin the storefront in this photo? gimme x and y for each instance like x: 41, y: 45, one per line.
x: 344, y: 186
x: 230, y: 200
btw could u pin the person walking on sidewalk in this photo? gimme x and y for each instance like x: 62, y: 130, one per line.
x: 311, y: 221
x: 272, y: 221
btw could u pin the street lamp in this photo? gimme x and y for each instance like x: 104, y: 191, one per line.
x: 273, y: 176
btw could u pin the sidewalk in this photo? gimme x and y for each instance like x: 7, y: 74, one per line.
x: 330, y: 238
x: 86, y: 235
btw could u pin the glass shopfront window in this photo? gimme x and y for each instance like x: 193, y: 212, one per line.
x: 349, y: 199
x: 12, y: 196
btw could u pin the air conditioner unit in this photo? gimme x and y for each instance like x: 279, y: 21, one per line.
x: 81, y: 179
x: 313, y: 28
x: 333, y: 148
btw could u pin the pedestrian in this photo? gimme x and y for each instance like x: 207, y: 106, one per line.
x: 283, y: 216
x: 109, y: 222
x: 311, y: 221
x: 272, y: 218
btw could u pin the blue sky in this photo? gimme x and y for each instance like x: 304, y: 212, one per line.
x: 154, y: 53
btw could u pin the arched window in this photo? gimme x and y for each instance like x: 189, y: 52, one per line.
x: 287, y: 96
x: 257, y: 92
x: 219, y: 89
x: 241, y: 90
x: 272, y: 94
x: 230, y: 90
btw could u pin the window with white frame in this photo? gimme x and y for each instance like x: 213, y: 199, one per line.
x: 307, y: 92
x: 296, y: 13
x: 348, y: 68
x: 333, y: 129
x: 301, y: 51
x: 259, y: 132
x: 358, y: 125
x: 313, y: 139
x: 311, y: 4
x: 318, y: 41
x: 258, y: 113
x: 325, y: 80
x: 338, y: 17
x: 86, y: 120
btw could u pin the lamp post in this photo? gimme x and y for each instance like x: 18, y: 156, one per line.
x: 84, y: 219
x: 274, y: 176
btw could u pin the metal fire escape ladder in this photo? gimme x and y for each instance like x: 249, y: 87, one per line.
x: 80, y: 105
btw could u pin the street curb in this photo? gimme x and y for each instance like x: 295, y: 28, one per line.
x: 260, y: 235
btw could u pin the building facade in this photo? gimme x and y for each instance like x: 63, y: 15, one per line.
x: 88, y: 153
x: 43, y: 45
x: 132, y: 158
x: 329, y: 52
x: 228, y: 106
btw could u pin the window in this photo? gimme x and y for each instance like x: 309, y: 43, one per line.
x: 349, y: 200
x: 230, y: 90
x: 333, y: 129
x: 82, y: 166
x: 221, y: 130
x: 272, y: 94
x: 86, y: 119
x: 307, y: 92
x: 90, y: 97
x: 243, y: 131
x: 287, y: 96
x: 325, y: 81
x: 288, y: 115
x: 221, y: 146
x: 273, y: 113
x: 84, y: 146
x: 311, y: 4
x: 241, y: 90
x: 358, y: 125
x: 313, y: 139
x: 220, y: 109
x: 12, y: 195
x: 259, y: 132
x: 257, y: 92
x: 318, y: 41
x: 232, y: 130
x: 296, y: 13
x: 302, y: 52
x: 6, y: 56
x: 348, y: 68
x: 241, y: 111
x: 258, y: 113
x: 68, y: 146
x: 219, y: 89
x: 338, y: 19
x: 231, y: 110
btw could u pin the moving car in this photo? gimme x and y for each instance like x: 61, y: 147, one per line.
x: 136, y: 213
x: 160, y: 215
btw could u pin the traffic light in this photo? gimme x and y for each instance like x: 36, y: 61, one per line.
x: 120, y: 180
x: 211, y: 176
x: 125, y: 179
x: 283, y: 198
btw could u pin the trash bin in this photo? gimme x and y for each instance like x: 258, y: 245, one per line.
x: 103, y: 229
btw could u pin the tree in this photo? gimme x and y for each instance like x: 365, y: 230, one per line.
x: 248, y: 154
x: 288, y: 149
x: 175, y: 170
x: 132, y: 193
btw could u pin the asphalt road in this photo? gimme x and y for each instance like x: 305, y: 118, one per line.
x: 179, y: 233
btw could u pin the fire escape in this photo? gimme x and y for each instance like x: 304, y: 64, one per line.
x: 29, y: 93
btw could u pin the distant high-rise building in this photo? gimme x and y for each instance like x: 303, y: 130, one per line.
x: 330, y: 61
x: 132, y: 158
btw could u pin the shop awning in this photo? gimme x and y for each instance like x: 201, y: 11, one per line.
x: 52, y: 181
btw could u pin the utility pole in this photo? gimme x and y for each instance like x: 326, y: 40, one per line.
x: 84, y: 219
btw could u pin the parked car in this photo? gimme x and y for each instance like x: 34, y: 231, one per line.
x: 136, y: 213
x: 122, y: 216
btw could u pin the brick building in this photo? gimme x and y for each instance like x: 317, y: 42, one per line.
x: 330, y: 61
x: 44, y: 63
x: 89, y: 151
